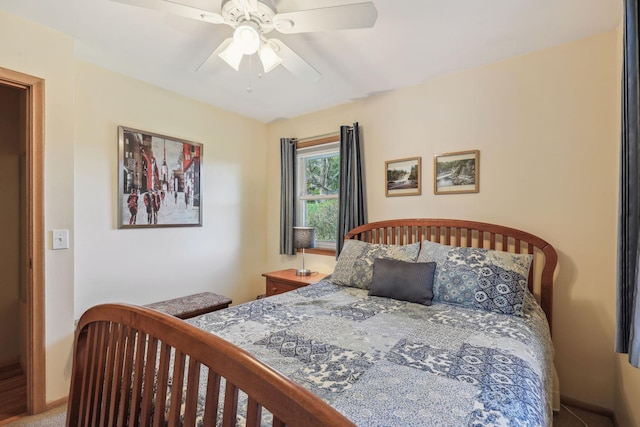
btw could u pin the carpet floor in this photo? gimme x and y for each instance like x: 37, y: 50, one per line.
x: 567, y: 417
x: 574, y: 417
x: 55, y: 417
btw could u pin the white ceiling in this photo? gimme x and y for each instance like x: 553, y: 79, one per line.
x: 412, y: 41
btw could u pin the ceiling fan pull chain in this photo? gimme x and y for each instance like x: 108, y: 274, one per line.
x: 249, y: 88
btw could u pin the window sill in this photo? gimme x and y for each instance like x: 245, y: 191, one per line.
x: 319, y: 251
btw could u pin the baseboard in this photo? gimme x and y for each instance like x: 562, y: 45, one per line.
x: 570, y: 401
x: 10, y: 420
x: 56, y: 403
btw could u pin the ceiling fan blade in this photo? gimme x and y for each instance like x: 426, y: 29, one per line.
x: 358, y: 15
x: 294, y: 63
x: 176, y: 9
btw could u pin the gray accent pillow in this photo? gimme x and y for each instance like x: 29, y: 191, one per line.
x: 355, y: 263
x: 404, y: 281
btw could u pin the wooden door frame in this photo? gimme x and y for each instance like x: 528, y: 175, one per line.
x: 34, y: 134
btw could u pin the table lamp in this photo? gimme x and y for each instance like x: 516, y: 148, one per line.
x: 303, y: 238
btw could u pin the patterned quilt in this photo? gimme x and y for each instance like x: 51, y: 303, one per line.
x: 383, y: 362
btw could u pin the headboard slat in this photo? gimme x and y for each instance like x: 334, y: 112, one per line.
x: 147, y: 391
x: 230, y: 410
x: 176, y: 388
x: 98, y: 379
x: 213, y: 399
x: 191, y: 399
x: 531, y: 278
x: 128, y: 374
x: 136, y: 390
x: 254, y: 412
x: 116, y: 378
x: 162, y: 382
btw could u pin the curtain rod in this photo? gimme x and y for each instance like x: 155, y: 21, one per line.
x: 326, y: 135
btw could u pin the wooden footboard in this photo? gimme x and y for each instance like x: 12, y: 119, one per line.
x: 122, y: 376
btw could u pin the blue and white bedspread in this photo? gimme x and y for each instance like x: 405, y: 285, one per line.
x: 383, y: 362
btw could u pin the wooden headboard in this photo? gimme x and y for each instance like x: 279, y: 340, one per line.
x: 462, y: 233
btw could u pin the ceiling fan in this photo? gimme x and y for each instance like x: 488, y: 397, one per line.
x: 253, y: 19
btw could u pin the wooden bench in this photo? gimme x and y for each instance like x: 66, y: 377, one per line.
x: 192, y: 305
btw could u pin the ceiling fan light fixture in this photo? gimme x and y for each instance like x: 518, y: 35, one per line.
x: 232, y: 55
x: 247, y: 38
x: 268, y: 57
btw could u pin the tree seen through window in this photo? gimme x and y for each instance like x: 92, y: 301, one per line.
x: 320, y: 198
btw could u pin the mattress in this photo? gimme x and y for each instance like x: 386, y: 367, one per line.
x: 384, y: 362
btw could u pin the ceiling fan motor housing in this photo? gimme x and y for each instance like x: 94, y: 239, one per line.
x: 234, y: 14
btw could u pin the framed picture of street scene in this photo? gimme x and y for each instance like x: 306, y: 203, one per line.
x: 159, y: 180
x: 403, y: 177
x: 457, y: 172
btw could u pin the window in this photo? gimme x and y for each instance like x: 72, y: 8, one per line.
x: 318, y: 170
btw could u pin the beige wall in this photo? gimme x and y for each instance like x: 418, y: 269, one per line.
x: 31, y: 49
x: 140, y: 266
x: 9, y: 225
x: 546, y: 125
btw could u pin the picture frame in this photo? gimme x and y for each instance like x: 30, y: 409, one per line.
x: 159, y: 180
x: 457, y: 172
x: 403, y: 177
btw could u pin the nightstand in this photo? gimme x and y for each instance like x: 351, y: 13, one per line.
x: 286, y: 280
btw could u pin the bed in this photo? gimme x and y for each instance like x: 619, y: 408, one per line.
x: 366, y: 346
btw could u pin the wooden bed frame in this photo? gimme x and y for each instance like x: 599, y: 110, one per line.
x: 122, y: 352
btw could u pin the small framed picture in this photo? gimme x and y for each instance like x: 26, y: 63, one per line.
x: 159, y: 180
x: 404, y: 177
x: 457, y: 172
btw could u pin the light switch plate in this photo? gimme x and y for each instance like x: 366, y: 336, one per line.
x: 60, y: 239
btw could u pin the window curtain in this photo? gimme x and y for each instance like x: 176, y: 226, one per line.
x: 628, y: 274
x: 352, y: 209
x: 287, y: 195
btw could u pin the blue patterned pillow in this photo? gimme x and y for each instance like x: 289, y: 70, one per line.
x: 355, y: 263
x: 483, y: 278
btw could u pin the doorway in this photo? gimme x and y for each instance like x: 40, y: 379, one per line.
x: 26, y: 154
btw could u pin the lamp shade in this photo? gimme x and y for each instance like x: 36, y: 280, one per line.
x: 304, y: 237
